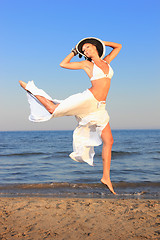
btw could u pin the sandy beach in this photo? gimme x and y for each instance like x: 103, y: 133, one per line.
x: 65, y: 218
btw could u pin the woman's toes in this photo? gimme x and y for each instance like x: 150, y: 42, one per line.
x: 23, y: 84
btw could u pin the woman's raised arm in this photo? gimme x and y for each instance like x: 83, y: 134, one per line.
x: 116, y: 48
x: 71, y: 65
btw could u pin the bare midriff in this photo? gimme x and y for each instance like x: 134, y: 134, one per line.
x: 100, y: 88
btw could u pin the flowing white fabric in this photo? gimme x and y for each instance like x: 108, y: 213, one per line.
x: 89, y: 112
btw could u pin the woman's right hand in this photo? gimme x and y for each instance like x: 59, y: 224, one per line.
x: 72, y: 65
x: 74, y: 50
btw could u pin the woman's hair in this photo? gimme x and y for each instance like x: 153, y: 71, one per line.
x: 98, y: 50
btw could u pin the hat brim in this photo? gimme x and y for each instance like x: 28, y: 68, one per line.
x: 95, y: 41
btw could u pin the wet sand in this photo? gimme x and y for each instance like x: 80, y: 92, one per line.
x: 65, y: 218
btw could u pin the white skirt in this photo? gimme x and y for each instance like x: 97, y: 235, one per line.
x: 91, y: 116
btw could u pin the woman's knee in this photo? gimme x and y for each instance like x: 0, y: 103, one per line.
x: 107, y: 137
x: 52, y: 107
x: 110, y: 141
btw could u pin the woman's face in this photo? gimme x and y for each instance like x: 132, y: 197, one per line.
x: 89, y: 50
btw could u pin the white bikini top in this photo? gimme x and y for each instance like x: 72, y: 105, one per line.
x: 98, y: 73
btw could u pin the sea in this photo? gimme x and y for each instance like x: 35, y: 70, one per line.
x: 37, y: 163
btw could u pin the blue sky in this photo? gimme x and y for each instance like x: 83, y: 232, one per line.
x: 36, y: 35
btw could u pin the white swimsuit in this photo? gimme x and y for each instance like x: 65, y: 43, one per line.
x: 98, y: 73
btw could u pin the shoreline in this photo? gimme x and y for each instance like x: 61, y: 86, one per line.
x: 124, y: 190
x: 78, y: 218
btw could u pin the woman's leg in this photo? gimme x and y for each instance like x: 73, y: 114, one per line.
x: 49, y: 105
x: 107, y: 139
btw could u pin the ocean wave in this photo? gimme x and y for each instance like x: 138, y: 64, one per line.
x: 146, y: 190
x: 156, y: 158
x: 60, y: 185
x: 121, y: 153
x: 21, y: 154
x: 124, y: 153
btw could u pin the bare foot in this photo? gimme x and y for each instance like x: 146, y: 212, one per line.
x: 108, y: 184
x: 23, y: 84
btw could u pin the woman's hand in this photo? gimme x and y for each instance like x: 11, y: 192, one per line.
x: 116, y: 48
x: 72, y: 65
x: 74, y: 50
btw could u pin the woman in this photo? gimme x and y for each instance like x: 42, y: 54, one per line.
x: 88, y: 107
